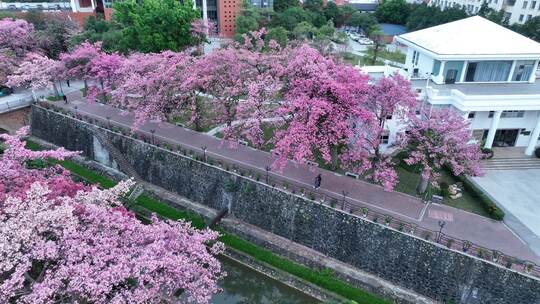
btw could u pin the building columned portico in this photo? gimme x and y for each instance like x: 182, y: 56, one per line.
x: 483, y: 70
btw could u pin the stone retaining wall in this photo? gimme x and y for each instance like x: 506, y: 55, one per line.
x: 427, y: 268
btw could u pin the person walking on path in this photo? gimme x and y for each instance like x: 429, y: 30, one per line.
x: 67, y: 81
x: 318, y: 180
x: 64, y: 97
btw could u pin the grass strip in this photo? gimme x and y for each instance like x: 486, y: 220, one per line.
x: 325, y: 279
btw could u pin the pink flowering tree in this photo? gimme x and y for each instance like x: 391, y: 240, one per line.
x: 16, y: 176
x: 36, y: 72
x: 16, y: 36
x: 390, y: 97
x: 104, y: 70
x: 152, y: 86
x: 440, y: 138
x: 86, y: 247
x: 322, y: 102
x: 15, y: 41
x: 78, y: 63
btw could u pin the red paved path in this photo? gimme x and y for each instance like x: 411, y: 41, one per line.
x: 464, y: 225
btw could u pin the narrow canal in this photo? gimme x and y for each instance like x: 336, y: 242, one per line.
x: 245, y: 286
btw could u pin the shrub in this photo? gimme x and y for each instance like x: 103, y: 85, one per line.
x: 488, y: 153
x: 444, y: 189
x: 230, y: 186
x: 427, y: 236
x: 311, y: 196
x: 537, y: 152
x: 333, y: 203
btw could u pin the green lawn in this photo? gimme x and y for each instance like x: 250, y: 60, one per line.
x: 408, y: 181
x: 324, y: 278
x: 396, y: 56
x: 354, y: 59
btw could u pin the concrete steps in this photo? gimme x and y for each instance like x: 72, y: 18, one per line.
x: 511, y: 163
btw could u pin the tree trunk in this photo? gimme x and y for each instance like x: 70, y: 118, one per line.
x: 85, y: 87
x: 422, y: 186
x: 55, y: 88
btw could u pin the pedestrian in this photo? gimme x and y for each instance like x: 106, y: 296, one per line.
x: 64, y: 97
x: 317, y: 182
x: 67, y: 81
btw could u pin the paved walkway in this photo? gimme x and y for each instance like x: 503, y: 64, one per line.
x: 460, y: 224
x: 516, y: 192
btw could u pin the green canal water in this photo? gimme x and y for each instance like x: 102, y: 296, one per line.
x: 245, y: 286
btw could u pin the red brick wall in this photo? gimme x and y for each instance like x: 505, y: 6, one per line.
x: 228, y: 10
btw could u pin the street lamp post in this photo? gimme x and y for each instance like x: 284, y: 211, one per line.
x: 441, y: 226
x: 152, y: 132
x: 267, y: 168
x: 204, y: 153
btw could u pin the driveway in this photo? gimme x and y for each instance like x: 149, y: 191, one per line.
x: 517, y: 192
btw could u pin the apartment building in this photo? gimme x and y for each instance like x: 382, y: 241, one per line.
x: 484, y: 71
x: 516, y: 11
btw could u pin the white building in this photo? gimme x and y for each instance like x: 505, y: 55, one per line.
x: 483, y: 70
x: 516, y: 11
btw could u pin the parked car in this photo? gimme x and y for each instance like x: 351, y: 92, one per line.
x: 366, y: 41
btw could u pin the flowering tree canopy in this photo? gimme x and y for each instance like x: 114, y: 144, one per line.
x: 151, y: 84
x: 322, y: 102
x: 104, y: 70
x: 35, y: 72
x: 388, y: 97
x: 16, y: 36
x: 78, y: 63
x: 439, y: 138
x: 15, y: 41
x: 86, y: 247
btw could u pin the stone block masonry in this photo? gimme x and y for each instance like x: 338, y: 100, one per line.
x: 429, y: 269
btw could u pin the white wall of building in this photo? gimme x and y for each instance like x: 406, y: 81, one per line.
x: 519, y: 12
x: 481, y: 121
x: 424, y: 64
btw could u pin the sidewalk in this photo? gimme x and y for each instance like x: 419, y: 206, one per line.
x: 459, y: 224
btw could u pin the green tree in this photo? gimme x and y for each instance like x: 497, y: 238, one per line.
x: 531, y: 28
x: 314, y: 5
x: 279, y: 34
x: 366, y: 21
x: 345, y: 12
x: 423, y: 16
x: 97, y: 29
x: 393, y: 11
x: 332, y: 12
x: 326, y: 31
x: 155, y: 25
x: 304, y: 31
x: 283, y: 5
x: 291, y: 17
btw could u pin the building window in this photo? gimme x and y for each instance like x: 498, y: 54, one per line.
x: 389, y: 117
x: 512, y: 114
x: 488, y: 71
x: 471, y: 115
x: 529, y: 17
x: 478, y: 134
x: 384, y: 139
x: 520, y: 18
x: 507, y: 16
x: 523, y: 70
x: 490, y: 115
x: 525, y: 4
x: 533, y: 4
x: 417, y: 56
x: 436, y: 68
x: 413, y: 56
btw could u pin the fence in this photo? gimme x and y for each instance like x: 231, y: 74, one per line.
x: 318, y: 196
x: 8, y: 106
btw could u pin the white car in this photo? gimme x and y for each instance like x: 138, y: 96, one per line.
x: 366, y: 41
